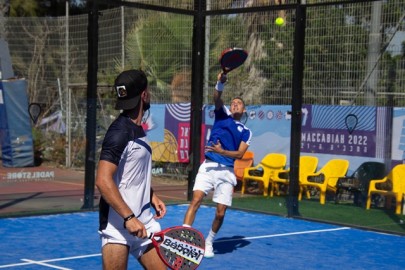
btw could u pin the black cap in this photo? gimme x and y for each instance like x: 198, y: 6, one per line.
x: 129, y: 85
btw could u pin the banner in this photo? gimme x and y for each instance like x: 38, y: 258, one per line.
x: 355, y: 133
x: 341, y: 130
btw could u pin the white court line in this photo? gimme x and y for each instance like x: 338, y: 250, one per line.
x: 282, y: 234
x: 51, y: 260
x: 45, y: 264
x: 218, y: 241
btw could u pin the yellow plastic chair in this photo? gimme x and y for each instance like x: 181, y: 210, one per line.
x: 391, y: 186
x: 325, y: 179
x: 270, y: 165
x: 245, y: 162
x: 308, y: 165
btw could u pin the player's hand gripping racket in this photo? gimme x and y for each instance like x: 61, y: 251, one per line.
x: 232, y: 58
x: 179, y: 247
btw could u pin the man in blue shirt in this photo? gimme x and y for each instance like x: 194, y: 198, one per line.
x: 228, y: 141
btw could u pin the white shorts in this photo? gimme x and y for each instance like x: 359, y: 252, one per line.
x: 220, y: 178
x: 137, y: 246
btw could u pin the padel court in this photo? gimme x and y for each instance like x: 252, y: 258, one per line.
x: 247, y: 240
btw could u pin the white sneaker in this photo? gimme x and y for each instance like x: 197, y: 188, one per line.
x: 209, y: 250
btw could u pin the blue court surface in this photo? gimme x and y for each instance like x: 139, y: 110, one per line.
x: 247, y: 240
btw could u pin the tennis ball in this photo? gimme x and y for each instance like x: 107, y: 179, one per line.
x: 279, y: 21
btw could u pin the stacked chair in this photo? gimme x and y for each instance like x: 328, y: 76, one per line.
x: 391, y: 187
x: 359, y: 181
x: 325, y: 179
x: 268, y: 167
x: 307, y: 166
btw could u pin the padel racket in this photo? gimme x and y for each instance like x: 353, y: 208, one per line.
x: 179, y: 247
x: 35, y: 110
x: 232, y: 58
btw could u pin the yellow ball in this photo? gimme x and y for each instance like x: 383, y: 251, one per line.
x: 279, y: 21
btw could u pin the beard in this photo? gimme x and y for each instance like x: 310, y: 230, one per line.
x: 146, y: 106
x: 237, y: 115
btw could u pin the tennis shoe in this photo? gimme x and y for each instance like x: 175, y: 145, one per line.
x: 209, y: 250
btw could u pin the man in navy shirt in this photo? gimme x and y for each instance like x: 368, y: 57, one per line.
x: 228, y: 141
x: 124, y: 181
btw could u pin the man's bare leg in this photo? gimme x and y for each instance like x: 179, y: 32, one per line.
x: 151, y: 260
x: 115, y: 256
x: 189, y: 217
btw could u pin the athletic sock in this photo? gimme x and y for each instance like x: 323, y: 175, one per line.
x: 210, y: 237
x: 186, y: 225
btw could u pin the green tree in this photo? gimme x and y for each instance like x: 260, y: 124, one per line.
x: 24, y: 8
x: 160, y: 45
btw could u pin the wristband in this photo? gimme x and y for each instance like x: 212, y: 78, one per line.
x: 220, y: 86
x: 131, y: 216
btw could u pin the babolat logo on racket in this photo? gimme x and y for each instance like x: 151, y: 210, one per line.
x: 183, y: 249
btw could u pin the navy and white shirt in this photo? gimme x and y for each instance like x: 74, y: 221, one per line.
x: 126, y: 146
x: 229, y: 133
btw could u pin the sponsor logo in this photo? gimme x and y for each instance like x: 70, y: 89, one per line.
x: 183, y: 249
x: 30, y: 176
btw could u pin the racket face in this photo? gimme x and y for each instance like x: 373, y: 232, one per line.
x: 232, y: 58
x: 34, y: 110
x: 180, y: 247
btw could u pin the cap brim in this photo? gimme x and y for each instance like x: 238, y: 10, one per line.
x: 127, y: 104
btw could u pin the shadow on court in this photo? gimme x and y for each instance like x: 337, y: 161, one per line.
x: 229, y: 244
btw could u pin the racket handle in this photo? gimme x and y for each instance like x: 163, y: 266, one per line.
x: 222, y: 77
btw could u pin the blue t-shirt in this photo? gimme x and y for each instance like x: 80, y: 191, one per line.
x: 229, y: 133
